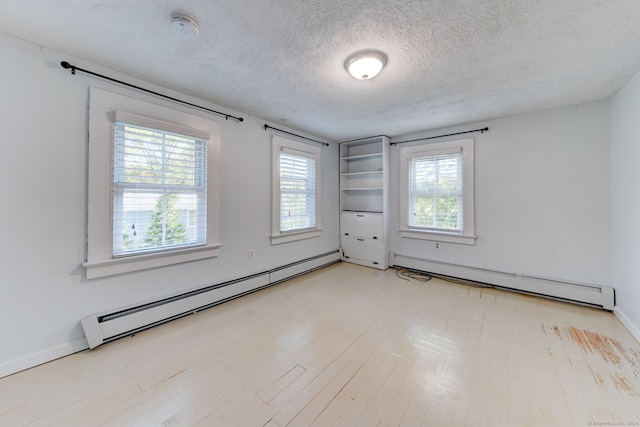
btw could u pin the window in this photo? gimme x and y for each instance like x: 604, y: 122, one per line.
x: 296, y: 190
x: 159, y: 185
x: 437, y: 191
x: 153, y: 187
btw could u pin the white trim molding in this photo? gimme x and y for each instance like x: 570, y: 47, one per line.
x: 104, y: 107
x: 466, y: 149
x: 142, y: 262
x: 285, y: 145
x: 42, y: 356
x: 633, y: 330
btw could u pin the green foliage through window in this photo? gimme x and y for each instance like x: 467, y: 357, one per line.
x: 166, y: 227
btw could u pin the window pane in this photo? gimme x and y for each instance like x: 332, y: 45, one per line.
x: 435, y: 192
x: 423, y: 211
x: 297, y: 192
x: 150, y: 221
x: 159, y: 196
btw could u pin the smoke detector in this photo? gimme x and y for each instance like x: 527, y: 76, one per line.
x: 184, y: 25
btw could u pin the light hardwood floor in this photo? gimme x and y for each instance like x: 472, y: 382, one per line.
x: 349, y: 346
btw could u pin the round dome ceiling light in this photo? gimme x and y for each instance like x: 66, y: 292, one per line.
x: 365, y: 64
x: 184, y: 25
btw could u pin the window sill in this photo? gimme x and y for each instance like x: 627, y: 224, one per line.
x: 277, y: 239
x: 438, y: 237
x: 110, y: 267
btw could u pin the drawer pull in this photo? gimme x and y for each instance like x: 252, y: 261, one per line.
x: 360, y: 215
x: 346, y: 234
x: 375, y: 237
x: 360, y: 240
x: 375, y: 262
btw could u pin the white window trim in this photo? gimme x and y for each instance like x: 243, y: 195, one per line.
x: 103, y: 108
x: 466, y: 146
x: 277, y: 144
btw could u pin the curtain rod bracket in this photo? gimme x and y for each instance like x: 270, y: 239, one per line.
x: 66, y: 65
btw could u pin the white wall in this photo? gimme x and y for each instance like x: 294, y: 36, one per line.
x: 542, y: 204
x: 44, y: 292
x: 625, y: 203
x: 541, y: 197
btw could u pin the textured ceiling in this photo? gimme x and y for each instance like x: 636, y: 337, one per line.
x: 450, y: 61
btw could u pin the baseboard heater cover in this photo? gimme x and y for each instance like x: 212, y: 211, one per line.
x: 104, y: 327
x: 592, y: 295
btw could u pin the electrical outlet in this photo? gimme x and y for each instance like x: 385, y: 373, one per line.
x: 252, y: 254
x: 437, y: 245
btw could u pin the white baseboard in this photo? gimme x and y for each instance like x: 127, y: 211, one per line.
x: 100, y: 328
x: 233, y: 289
x: 42, y: 356
x: 595, y: 295
x: 633, y: 329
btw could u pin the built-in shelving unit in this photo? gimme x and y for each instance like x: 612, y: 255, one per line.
x: 364, y: 200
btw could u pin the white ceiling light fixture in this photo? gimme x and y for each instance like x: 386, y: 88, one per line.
x: 365, y: 64
x: 184, y: 25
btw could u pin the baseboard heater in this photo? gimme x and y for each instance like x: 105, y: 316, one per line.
x: 109, y: 326
x: 587, y: 294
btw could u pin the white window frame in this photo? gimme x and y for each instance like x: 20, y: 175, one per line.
x: 466, y: 148
x: 120, y: 185
x: 278, y: 144
x: 103, y: 110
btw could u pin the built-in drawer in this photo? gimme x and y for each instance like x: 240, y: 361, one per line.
x: 364, y: 249
x: 362, y: 224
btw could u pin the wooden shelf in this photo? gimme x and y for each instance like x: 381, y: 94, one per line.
x: 361, y: 210
x: 362, y: 189
x: 361, y: 156
x: 362, y: 173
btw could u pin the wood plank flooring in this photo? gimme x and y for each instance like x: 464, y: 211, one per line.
x: 349, y: 346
